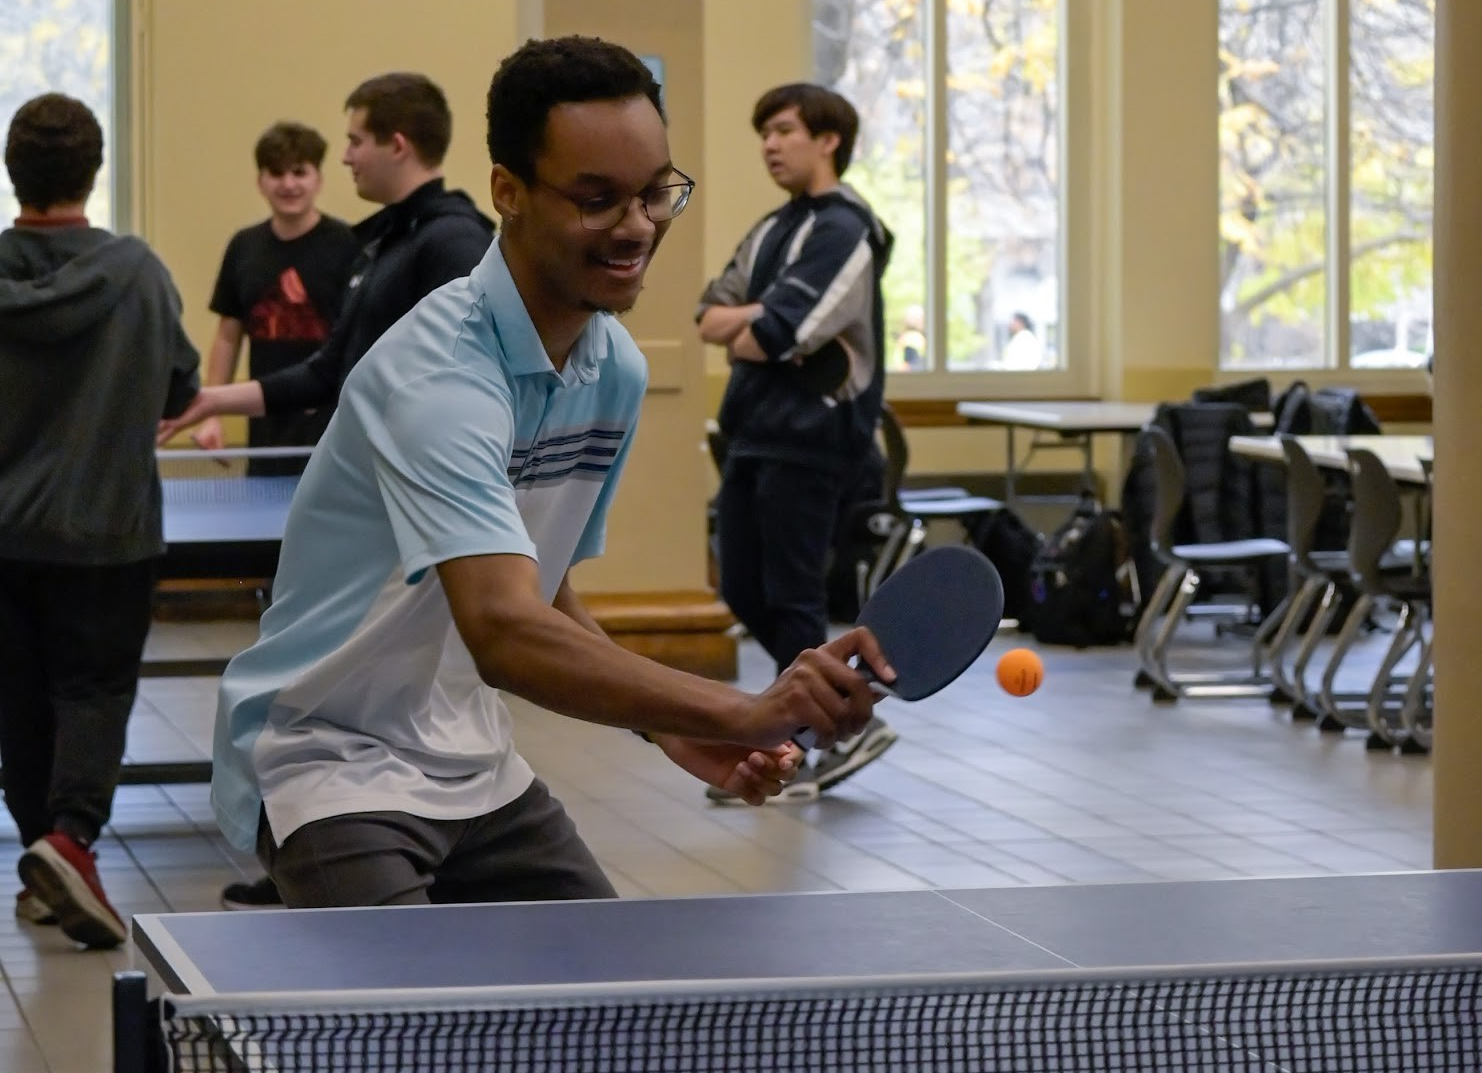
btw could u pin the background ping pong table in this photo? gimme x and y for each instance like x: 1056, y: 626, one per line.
x: 1331, y: 973
x: 222, y: 524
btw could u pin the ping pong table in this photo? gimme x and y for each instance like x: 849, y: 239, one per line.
x: 1338, y: 973
x: 221, y: 528
x: 222, y: 524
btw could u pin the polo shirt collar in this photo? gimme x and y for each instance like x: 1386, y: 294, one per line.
x: 524, y: 353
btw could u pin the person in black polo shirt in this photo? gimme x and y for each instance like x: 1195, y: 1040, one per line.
x: 280, y: 286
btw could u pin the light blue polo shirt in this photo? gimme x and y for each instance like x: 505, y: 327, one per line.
x: 454, y: 436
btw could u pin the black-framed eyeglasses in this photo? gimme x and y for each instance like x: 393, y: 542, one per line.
x: 660, y: 203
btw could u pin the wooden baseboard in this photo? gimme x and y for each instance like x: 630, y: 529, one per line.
x: 210, y: 599
x: 686, y: 629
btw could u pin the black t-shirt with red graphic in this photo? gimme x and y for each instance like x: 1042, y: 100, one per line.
x: 287, y: 294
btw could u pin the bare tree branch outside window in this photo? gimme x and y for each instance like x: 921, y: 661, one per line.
x: 1003, y: 168
x: 1274, y: 176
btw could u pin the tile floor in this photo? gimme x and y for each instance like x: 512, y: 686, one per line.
x: 1084, y: 782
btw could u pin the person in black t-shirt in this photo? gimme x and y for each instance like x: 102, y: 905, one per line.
x: 281, y: 285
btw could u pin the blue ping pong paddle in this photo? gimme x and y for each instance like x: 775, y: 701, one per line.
x: 933, y: 617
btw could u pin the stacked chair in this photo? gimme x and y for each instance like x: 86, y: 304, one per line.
x: 1395, y: 710
x: 1184, y: 566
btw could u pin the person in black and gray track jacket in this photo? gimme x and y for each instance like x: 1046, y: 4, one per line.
x: 806, y: 276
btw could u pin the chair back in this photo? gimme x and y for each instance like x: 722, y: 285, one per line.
x: 1306, y: 492
x: 897, y: 455
x: 1427, y: 467
x: 1377, y: 516
x: 1168, y: 488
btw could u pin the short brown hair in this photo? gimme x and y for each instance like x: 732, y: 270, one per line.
x: 409, y: 105
x: 822, y: 111
x: 286, y: 144
x: 53, y: 151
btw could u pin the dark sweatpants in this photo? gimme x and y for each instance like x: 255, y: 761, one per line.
x: 71, y: 638
x: 775, y: 525
x: 529, y: 850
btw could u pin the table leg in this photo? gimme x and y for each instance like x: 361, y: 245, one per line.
x: 1088, y: 469
x: 1008, y: 476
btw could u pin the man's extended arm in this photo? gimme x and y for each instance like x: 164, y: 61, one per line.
x: 753, y: 775
x: 524, y: 645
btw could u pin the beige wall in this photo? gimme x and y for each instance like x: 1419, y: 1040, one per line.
x: 210, y: 77
x: 1458, y: 631
x: 656, y: 535
x: 1140, y: 186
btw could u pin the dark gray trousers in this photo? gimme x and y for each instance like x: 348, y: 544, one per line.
x: 71, y: 638
x: 526, y: 851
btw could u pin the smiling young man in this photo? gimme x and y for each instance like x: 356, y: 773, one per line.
x: 807, y: 274
x: 398, y: 129
x: 362, y: 745
x: 280, y: 287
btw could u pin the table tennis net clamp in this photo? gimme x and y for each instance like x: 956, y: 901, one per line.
x: 1343, y: 1017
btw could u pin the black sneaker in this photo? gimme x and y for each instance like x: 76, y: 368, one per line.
x: 844, y: 759
x: 262, y: 894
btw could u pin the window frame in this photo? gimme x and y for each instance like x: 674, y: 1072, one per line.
x: 117, y: 135
x: 1077, y: 375
x: 1337, y: 207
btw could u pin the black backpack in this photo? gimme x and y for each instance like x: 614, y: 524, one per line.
x: 1012, y: 546
x: 1077, y: 581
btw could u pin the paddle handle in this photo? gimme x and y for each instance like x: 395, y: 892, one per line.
x: 806, y: 740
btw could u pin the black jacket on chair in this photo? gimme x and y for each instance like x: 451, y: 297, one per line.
x: 1223, y: 499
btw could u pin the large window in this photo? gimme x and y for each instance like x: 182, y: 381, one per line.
x: 62, y: 46
x: 1326, y: 183
x: 959, y: 153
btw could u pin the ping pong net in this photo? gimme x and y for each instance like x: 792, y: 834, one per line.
x: 201, y: 475
x: 1327, y: 1016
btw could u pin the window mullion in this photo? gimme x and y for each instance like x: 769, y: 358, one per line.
x: 1339, y: 170
x: 936, y: 184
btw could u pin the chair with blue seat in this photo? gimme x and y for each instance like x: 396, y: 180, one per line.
x: 1180, y: 582
x: 906, y: 513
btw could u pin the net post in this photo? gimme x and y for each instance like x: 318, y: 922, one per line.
x: 133, y: 1035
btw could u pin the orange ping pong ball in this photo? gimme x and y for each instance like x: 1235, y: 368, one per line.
x: 1020, y: 672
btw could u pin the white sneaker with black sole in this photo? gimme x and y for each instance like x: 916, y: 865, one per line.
x: 831, y: 767
x: 802, y: 790
x: 835, y: 765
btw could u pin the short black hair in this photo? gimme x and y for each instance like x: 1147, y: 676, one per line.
x: 822, y: 111
x: 1023, y: 318
x: 544, y: 73
x: 53, y: 151
x: 408, y: 104
x: 286, y: 144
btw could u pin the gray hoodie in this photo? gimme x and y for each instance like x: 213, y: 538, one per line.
x: 92, y: 355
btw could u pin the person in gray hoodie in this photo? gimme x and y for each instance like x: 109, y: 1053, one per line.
x: 92, y: 357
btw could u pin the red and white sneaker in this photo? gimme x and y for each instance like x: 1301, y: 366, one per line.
x: 32, y: 909
x: 63, y: 875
